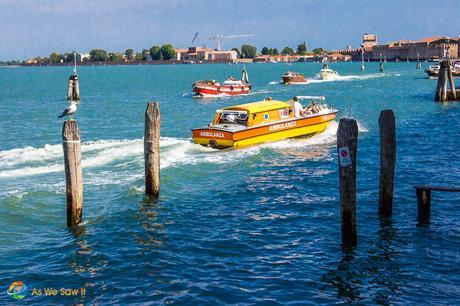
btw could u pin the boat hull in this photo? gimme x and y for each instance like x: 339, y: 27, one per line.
x: 433, y: 74
x: 287, y: 80
x: 221, y: 139
x: 224, y: 90
x: 328, y: 76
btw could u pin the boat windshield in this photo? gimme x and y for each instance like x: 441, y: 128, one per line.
x: 233, y: 82
x: 233, y: 117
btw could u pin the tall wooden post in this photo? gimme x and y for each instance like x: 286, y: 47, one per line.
x: 424, y: 202
x: 347, y: 143
x: 73, y: 172
x: 73, y: 92
x: 387, y: 161
x: 444, y: 84
x: 453, y: 91
x: 152, y: 149
x: 439, y: 84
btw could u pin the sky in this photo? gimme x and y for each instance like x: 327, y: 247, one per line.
x: 30, y: 28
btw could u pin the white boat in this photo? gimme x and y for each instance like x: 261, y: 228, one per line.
x: 327, y: 74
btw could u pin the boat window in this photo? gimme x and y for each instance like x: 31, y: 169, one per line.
x: 234, y: 117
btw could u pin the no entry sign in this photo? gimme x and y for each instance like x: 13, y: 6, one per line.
x: 344, y: 157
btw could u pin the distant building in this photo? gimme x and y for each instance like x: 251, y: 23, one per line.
x: 429, y: 48
x: 282, y: 58
x: 205, y: 54
x: 336, y: 56
x: 84, y: 57
x: 369, y: 41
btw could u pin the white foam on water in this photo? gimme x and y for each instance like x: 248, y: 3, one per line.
x: 126, y: 157
x: 325, y: 138
x: 350, y: 78
x: 48, y: 159
x: 362, y: 128
x: 274, y: 83
x: 29, y: 154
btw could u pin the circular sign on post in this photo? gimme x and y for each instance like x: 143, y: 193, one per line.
x: 344, y: 157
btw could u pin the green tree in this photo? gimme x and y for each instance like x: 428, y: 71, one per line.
x: 129, y: 54
x: 115, y: 57
x: 98, y: 55
x: 139, y: 56
x: 318, y: 51
x: 155, y: 53
x: 145, y: 54
x: 302, y: 48
x: 56, y: 57
x: 274, y: 51
x: 68, y: 57
x: 248, y: 51
x: 238, y: 52
x: 265, y: 51
x: 167, y: 51
x: 287, y: 51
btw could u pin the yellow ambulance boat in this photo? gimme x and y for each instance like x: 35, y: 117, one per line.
x: 265, y: 121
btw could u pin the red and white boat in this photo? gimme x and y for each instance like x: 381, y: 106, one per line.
x: 230, y: 87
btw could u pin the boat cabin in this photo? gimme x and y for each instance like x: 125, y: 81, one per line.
x: 251, y: 114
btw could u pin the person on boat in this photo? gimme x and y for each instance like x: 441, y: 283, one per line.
x: 314, y: 107
x: 296, y: 107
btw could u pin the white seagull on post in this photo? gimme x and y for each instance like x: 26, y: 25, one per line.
x: 69, y: 110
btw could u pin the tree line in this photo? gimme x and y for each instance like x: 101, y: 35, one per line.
x: 164, y: 52
x: 248, y: 51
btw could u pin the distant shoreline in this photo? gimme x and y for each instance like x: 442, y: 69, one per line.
x: 158, y: 62
x: 142, y: 63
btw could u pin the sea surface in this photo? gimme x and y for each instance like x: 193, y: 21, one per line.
x: 253, y: 226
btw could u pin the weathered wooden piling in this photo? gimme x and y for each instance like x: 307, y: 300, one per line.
x: 424, y: 200
x: 453, y: 91
x: 73, y: 92
x: 73, y: 172
x: 445, y: 77
x: 387, y: 161
x: 152, y: 149
x: 347, y: 143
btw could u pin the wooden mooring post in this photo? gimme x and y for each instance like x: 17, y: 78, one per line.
x: 445, y: 77
x: 347, y: 143
x: 73, y: 172
x: 424, y: 200
x: 73, y: 91
x: 387, y: 161
x: 152, y: 149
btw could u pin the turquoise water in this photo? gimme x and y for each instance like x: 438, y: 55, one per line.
x: 251, y: 226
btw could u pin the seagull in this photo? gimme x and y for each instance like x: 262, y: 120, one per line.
x: 69, y: 110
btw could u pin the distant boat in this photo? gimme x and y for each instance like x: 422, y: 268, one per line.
x: 230, y: 87
x: 293, y: 78
x: 327, y: 74
x: 433, y: 70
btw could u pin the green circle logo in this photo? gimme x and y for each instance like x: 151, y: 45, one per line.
x: 17, y: 290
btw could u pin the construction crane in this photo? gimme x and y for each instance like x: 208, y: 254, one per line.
x: 218, y: 38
